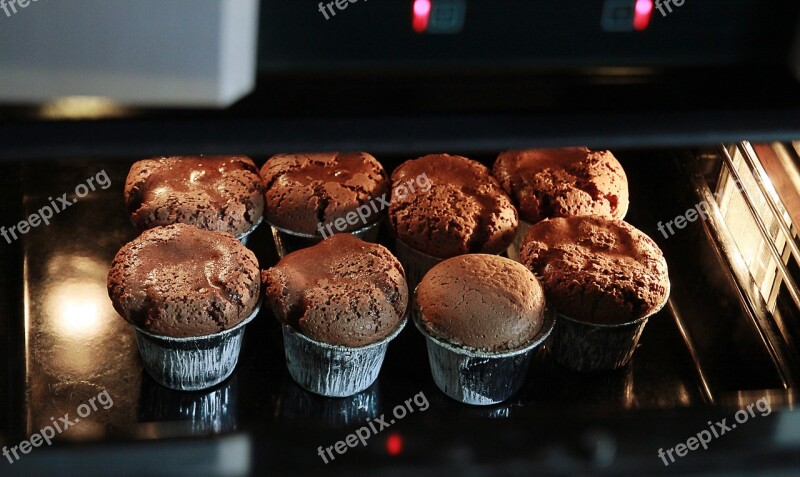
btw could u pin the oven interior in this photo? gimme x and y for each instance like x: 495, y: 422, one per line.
x: 727, y: 338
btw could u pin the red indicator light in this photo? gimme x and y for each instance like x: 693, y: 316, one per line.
x: 642, y: 13
x: 394, y: 444
x: 422, y: 15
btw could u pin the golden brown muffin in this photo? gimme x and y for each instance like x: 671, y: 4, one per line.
x: 597, y: 270
x: 463, y: 211
x: 304, y: 191
x: 183, y: 281
x: 342, y: 291
x: 549, y: 183
x: 483, y: 302
x: 220, y: 193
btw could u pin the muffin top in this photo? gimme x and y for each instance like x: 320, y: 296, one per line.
x: 306, y: 190
x: 182, y: 281
x: 211, y: 192
x: 342, y: 291
x: 463, y: 211
x: 597, y: 270
x: 482, y: 302
x: 563, y: 182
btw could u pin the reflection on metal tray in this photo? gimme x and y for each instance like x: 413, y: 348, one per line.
x: 714, y: 344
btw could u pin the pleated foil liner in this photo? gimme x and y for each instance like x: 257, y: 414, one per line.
x: 330, y: 370
x: 477, y: 377
x: 287, y: 241
x: 245, y: 236
x: 516, y: 246
x: 193, y: 363
x: 415, y: 264
x: 588, y: 347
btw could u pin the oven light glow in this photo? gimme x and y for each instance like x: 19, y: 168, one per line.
x: 81, y: 107
x: 76, y: 308
x: 422, y: 15
x: 642, y: 13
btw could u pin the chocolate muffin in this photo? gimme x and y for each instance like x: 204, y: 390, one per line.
x: 182, y: 281
x: 220, y: 193
x: 304, y: 191
x: 463, y: 211
x: 342, y: 291
x: 597, y: 270
x: 563, y: 182
x: 483, y: 302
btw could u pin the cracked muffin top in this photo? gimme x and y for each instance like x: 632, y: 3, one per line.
x: 182, y: 281
x: 597, y: 270
x: 482, y: 302
x: 305, y: 190
x: 564, y: 182
x: 464, y: 211
x: 220, y: 193
x: 342, y: 291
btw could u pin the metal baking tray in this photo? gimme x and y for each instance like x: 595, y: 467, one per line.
x: 704, y: 356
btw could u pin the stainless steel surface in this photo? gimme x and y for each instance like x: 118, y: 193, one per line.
x: 208, y: 412
x: 770, y: 195
x: 690, y: 347
x: 792, y: 288
x: 764, y: 328
x: 709, y: 351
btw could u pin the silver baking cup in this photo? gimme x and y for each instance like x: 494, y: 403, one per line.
x: 516, y: 246
x: 287, y: 241
x: 244, y: 236
x: 479, y: 377
x: 331, y: 370
x: 193, y: 363
x: 588, y: 347
x: 416, y: 264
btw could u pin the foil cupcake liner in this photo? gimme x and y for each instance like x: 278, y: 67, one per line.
x: 416, y: 264
x: 587, y: 347
x: 331, y: 370
x: 516, y: 246
x: 245, y: 236
x: 287, y: 241
x: 478, y: 377
x: 194, y: 363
